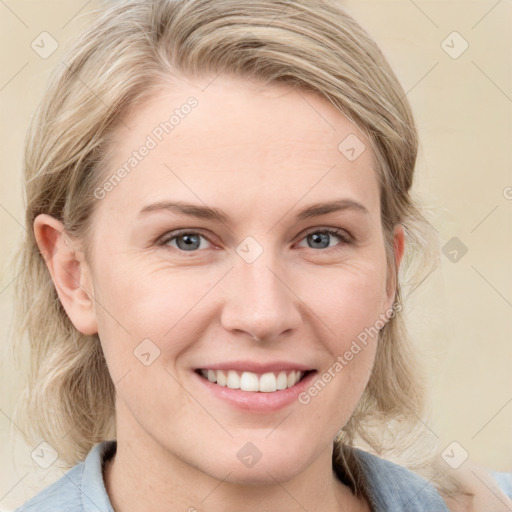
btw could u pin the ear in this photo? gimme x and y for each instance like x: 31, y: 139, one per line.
x: 398, y: 252
x: 69, y: 270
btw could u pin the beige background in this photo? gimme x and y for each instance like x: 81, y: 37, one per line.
x: 462, y: 314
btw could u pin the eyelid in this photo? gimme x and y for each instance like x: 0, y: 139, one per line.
x: 175, y: 233
x: 345, y: 237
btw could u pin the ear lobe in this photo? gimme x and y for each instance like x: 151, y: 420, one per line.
x: 399, y: 244
x: 69, y: 270
x: 398, y: 253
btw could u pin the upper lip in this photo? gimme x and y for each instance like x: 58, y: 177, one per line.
x: 255, y: 367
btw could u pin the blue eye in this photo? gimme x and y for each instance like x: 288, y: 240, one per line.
x: 320, y: 239
x: 185, y: 240
x: 191, y: 241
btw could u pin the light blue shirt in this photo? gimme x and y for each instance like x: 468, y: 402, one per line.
x: 389, y: 487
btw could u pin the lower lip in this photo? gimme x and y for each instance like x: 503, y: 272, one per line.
x: 258, y: 400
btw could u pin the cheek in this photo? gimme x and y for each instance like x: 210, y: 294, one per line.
x: 347, y: 299
x: 350, y: 306
x: 135, y: 303
x: 145, y: 323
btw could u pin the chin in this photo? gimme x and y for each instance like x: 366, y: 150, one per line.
x: 248, y: 465
x: 262, y: 474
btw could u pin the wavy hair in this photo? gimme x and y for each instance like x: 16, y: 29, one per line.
x: 133, y: 47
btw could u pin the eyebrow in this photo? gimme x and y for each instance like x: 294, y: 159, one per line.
x: 215, y: 214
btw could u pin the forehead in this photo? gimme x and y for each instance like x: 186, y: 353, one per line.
x: 239, y: 143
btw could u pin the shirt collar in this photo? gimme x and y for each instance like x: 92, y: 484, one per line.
x: 93, y: 492
x: 389, y: 486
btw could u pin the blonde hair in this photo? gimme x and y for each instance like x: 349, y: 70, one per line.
x: 132, y: 48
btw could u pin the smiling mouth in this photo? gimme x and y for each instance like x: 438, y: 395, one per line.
x: 269, y: 382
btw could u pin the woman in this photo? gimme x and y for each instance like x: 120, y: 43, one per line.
x: 219, y: 195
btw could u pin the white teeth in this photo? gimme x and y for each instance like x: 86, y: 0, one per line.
x: 221, y: 378
x: 268, y: 383
x: 233, y: 381
x: 282, y: 380
x: 248, y: 381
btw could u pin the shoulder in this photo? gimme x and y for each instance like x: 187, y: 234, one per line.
x: 81, y: 489
x: 504, y: 481
x: 64, y: 494
x: 393, y: 487
x: 483, y: 490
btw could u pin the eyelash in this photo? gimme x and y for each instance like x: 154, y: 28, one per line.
x: 345, y: 238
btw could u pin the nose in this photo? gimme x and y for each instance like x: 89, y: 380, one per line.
x: 260, y: 300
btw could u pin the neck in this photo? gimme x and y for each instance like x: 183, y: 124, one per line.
x: 143, y: 476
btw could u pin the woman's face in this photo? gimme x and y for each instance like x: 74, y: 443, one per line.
x: 211, y: 254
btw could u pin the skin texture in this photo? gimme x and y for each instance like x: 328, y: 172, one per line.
x: 481, y: 493
x: 261, y: 155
